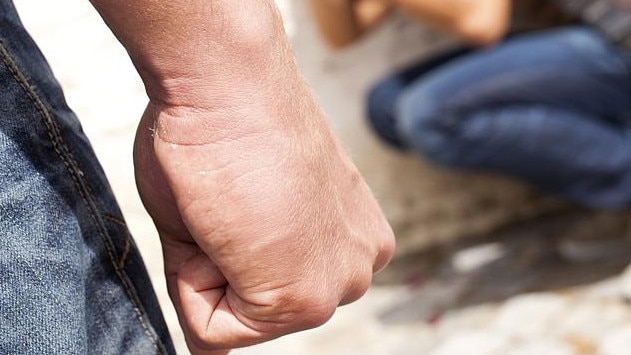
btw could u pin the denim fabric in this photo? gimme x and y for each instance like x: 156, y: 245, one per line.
x: 71, y: 279
x: 382, y: 99
x: 552, y: 108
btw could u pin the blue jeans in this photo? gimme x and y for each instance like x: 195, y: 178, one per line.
x: 71, y: 279
x: 551, y: 108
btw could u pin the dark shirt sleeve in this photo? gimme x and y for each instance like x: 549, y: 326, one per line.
x: 611, y: 17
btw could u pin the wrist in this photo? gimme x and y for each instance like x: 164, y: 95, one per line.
x: 245, y: 49
x: 185, y: 42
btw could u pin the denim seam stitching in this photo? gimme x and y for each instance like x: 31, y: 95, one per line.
x: 64, y: 154
x: 116, y: 220
x: 127, y: 248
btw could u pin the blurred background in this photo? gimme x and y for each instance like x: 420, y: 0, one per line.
x: 484, y: 265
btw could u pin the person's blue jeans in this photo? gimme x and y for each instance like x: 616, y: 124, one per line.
x: 71, y: 279
x: 552, y: 108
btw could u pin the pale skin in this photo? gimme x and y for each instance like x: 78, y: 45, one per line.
x: 265, y: 223
x: 482, y: 23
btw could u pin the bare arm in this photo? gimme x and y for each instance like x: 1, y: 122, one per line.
x: 481, y: 22
x: 172, y: 40
x: 265, y: 224
x: 342, y: 22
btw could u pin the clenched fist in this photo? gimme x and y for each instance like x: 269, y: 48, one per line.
x: 265, y: 223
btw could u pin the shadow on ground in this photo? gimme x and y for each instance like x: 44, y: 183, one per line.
x: 554, y: 253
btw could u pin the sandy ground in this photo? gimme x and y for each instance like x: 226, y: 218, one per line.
x: 505, y: 291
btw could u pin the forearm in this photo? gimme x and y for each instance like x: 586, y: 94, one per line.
x: 480, y: 22
x: 335, y: 20
x: 370, y: 13
x: 342, y: 22
x: 181, y: 46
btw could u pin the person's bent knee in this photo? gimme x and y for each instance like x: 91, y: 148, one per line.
x: 380, y: 111
x: 429, y: 129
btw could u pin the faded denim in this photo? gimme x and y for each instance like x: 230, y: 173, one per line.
x: 71, y: 279
x: 551, y: 108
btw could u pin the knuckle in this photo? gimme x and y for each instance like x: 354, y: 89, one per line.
x: 312, y: 309
x: 385, y: 250
x: 316, y: 314
x: 358, y: 287
x: 388, y: 246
